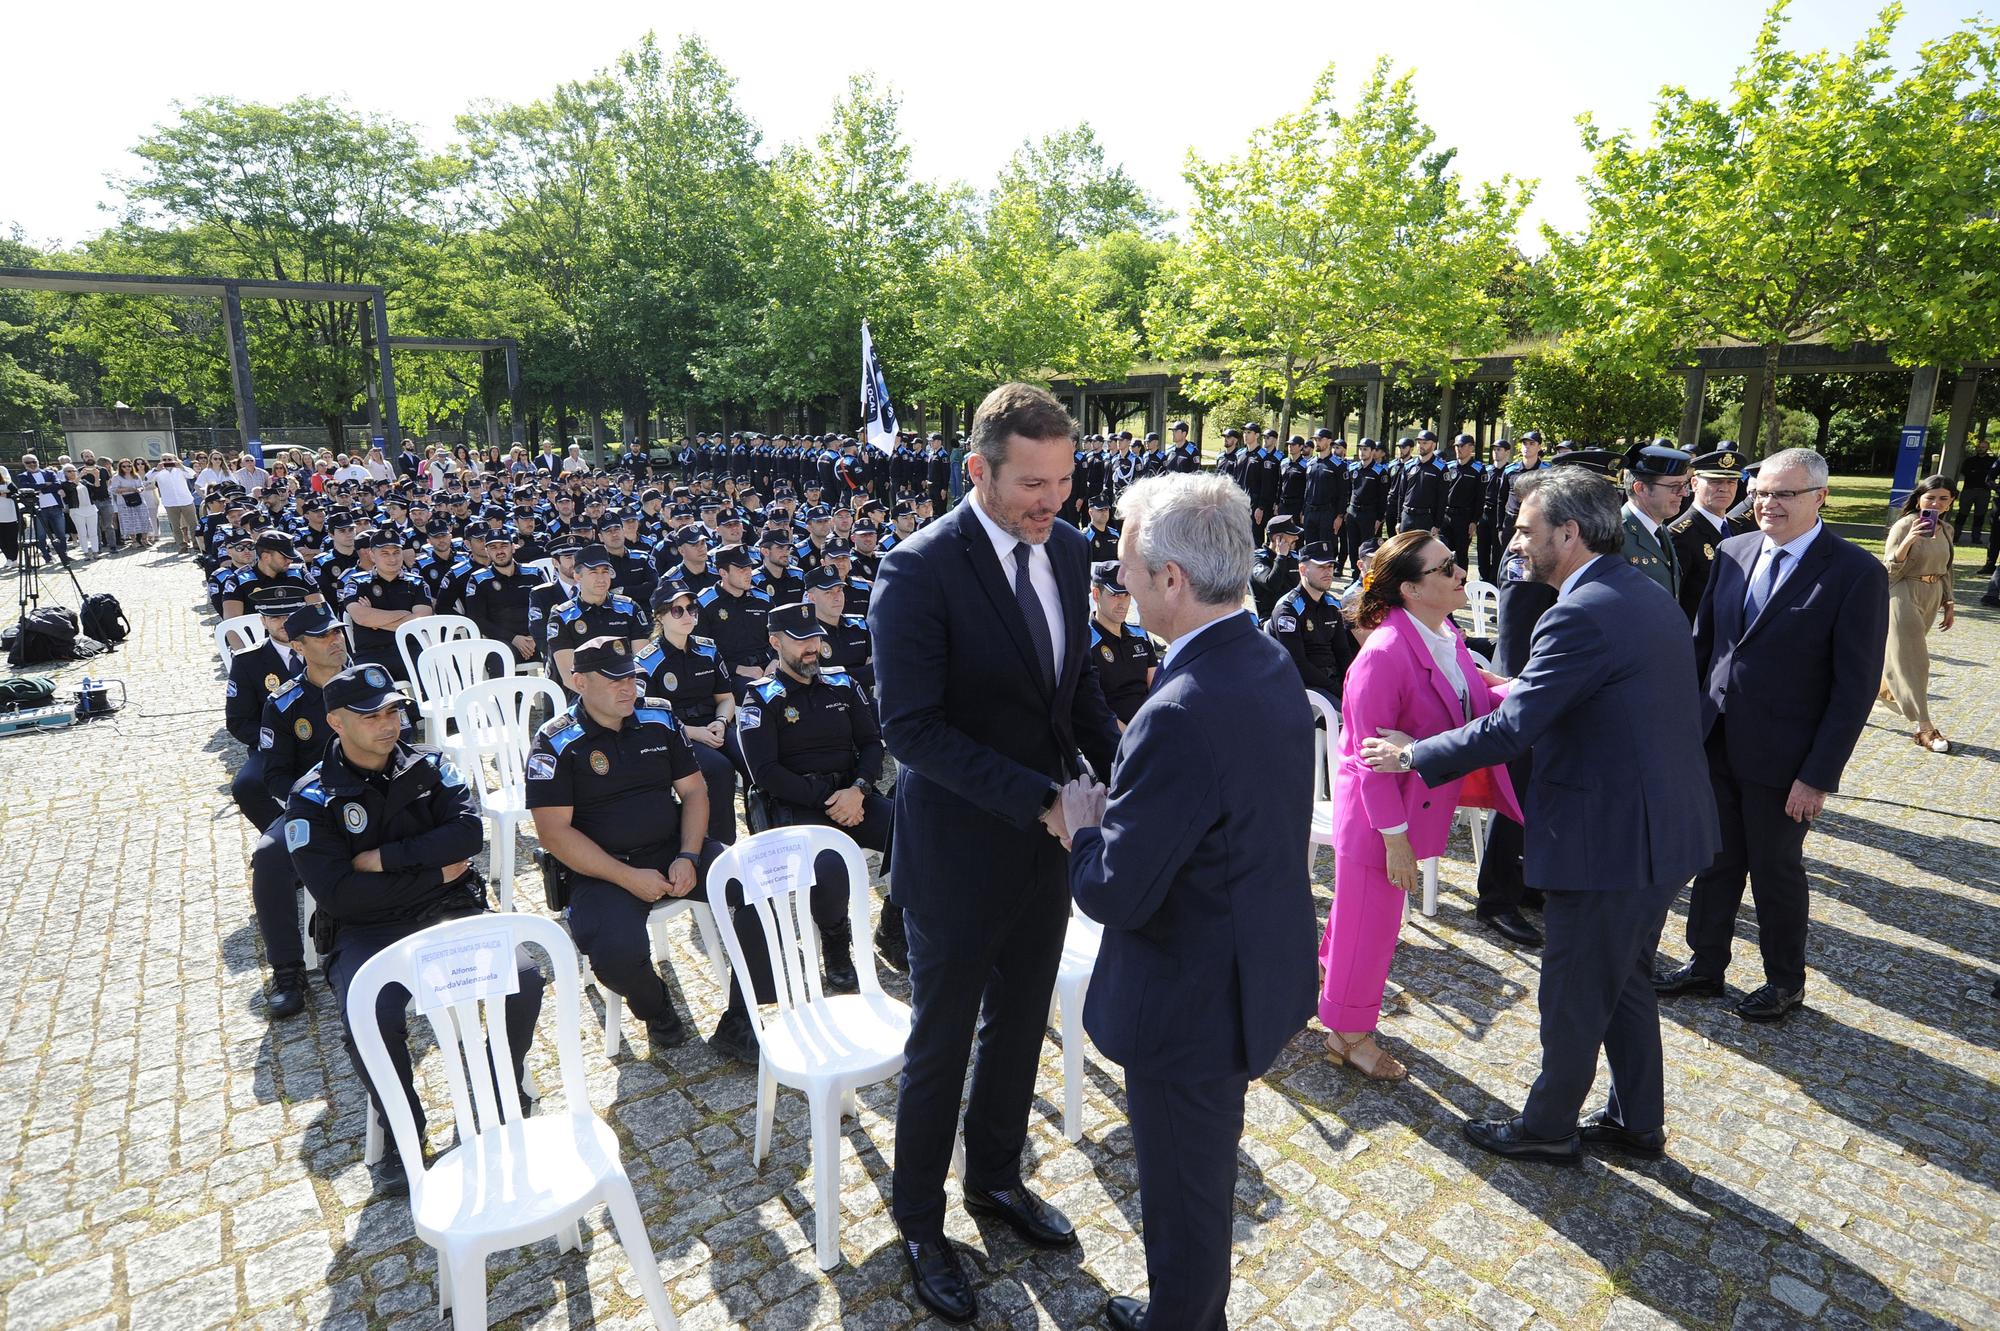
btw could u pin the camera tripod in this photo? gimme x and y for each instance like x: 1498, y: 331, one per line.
x: 28, y: 572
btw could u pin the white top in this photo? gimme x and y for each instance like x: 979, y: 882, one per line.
x: 1041, y: 575
x: 1174, y: 648
x: 1794, y: 551
x: 210, y: 476
x: 250, y: 477
x: 1570, y: 581
x: 353, y: 471
x: 574, y: 464
x: 380, y: 471
x: 1444, y: 651
x: 172, y: 483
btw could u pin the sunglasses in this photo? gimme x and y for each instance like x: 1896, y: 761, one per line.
x: 679, y: 612
x: 1449, y: 567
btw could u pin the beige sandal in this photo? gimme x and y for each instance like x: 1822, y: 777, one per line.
x: 1379, y: 1064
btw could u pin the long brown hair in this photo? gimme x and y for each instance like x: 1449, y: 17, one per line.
x: 1399, y: 560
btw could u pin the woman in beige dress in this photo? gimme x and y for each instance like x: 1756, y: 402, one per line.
x: 1918, y: 552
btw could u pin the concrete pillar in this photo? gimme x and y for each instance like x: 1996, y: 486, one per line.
x: 386, y: 370
x: 516, y: 425
x: 1331, y: 414
x: 239, y: 367
x: 492, y: 427
x: 1371, y: 409
x: 1447, y: 427
x: 1156, y: 410
x: 1080, y: 409
x: 1962, y: 394
x: 1697, y: 392
x: 1748, y: 437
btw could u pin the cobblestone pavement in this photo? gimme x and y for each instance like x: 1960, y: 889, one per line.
x: 171, y: 1160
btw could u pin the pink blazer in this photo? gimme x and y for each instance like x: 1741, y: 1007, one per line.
x: 1395, y: 684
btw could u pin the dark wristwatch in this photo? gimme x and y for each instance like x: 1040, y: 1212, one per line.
x: 1049, y: 799
x: 692, y: 856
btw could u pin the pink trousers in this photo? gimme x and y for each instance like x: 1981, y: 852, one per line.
x: 1360, y: 939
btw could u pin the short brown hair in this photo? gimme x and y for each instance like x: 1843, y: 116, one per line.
x: 1017, y: 409
x: 1400, y: 560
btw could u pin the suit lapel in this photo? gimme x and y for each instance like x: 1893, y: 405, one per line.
x: 1796, y: 583
x: 1069, y: 594
x: 999, y: 588
x: 1414, y: 642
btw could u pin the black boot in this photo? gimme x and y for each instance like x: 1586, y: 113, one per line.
x: 889, y: 938
x: 836, y: 949
x: 287, y: 997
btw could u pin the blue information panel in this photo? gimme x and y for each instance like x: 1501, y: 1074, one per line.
x: 1909, y: 457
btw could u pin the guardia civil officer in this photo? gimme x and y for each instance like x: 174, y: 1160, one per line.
x: 1126, y: 658
x: 810, y: 742
x: 253, y: 677
x: 689, y: 672
x: 732, y: 614
x: 1656, y: 480
x: 594, y: 612
x: 1308, y: 622
x: 382, y: 834
x: 618, y: 799
x: 1276, y: 571
x: 1464, y: 498
x: 380, y: 602
x: 292, y: 737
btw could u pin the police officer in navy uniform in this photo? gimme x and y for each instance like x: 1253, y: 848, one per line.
x: 1368, y: 496
x: 1464, y: 498
x: 684, y: 556
x: 1260, y: 480
x: 1707, y: 524
x: 496, y: 599
x: 1292, y: 476
x: 380, y: 602
x: 292, y: 736
x: 733, y: 614
x: 1308, y: 622
x: 253, y: 677
x: 618, y: 798
x: 1276, y: 570
x: 1102, y: 535
x: 1656, y: 482
x: 776, y: 577
x: 849, y: 646
x: 690, y: 673
x: 382, y: 833
x: 272, y: 568
x: 810, y: 741
x: 1492, y: 536
x: 1423, y: 488
x: 1126, y: 657
x: 1184, y: 454
x: 1326, y: 491
x: 595, y: 612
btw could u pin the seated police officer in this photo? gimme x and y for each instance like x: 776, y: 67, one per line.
x: 689, y: 672
x: 849, y: 646
x: 292, y: 736
x: 811, y: 745
x: 382, y: 834
x: 1125, y: 656
x: 733, y: 615
x: 1309, y: 622
x: 496, y: 599
x: 382, y: 601
x: 253, y: 677
x: 618, y: 799
x: 596, y: 611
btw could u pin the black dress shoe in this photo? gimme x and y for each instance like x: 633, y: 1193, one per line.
x: 836, y: 955
x: 1770, y: 1003
x: 1505, y: 1136
x: 1125, y: 1313
x: 666, y: 1032
x: 1600, y: 1129
x: 288, y: 993
x: 940, y: 1280
x: 1514, y: 927
x: 1031, y: 1217
x: 890, y: 941
x: 1686, y: 980
x: 735, y: 1038
x: 387, y: 1173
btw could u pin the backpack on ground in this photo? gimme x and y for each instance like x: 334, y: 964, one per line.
x: 104, y: 619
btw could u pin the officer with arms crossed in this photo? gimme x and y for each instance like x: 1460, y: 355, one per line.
x: 599, y: 777
x: 383, y: 834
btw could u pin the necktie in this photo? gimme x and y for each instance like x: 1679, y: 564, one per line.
x: 1760, y: 591
x: 1038, y: 620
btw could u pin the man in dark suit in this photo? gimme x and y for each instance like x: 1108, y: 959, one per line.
x: 988, y: 694
x: 1789, y: 643
x: 1197, y: 871
x: 1618, y: 816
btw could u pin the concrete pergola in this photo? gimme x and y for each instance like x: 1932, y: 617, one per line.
x: 231, y: 291
x: 1151, y: 385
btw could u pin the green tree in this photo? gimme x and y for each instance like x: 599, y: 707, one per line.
x: 1335, y: 239
x: 30, y: 387
x: 1566, y: 396
x: 1823, y: 199
x: 308, y: 191
x: 1078, y: 196
x: 1115, y: 274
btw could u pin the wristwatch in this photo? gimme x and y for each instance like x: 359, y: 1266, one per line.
x: 1403, y: 759
x: 1049, y: 799
x: 689, y: 855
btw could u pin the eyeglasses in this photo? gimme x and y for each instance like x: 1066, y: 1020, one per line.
x: 1447, y: 568
x: 1671, y: 487
x: 679, y: 612
x: 1784, y: 496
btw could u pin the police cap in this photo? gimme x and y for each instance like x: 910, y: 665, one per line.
x: 277, y: 601
x: 310, y: 621
x: 364, y: 688
x: 1178, y: 426
x: 1100, y: 501
x: 835, y: 548
x: 276, y: 542
x: 1658, y: 458
x: 1282, y: 526
x: 610, y: 657
x: 1599, y: 460
x: 1322, y: 433
x: 1317, y: 552
x: 593, y: 556
x: 438, y: 527
x: 734, y: 556
x: 1108, y: 574
x: 1724, y: 464
x: 773, y: 535
x: 824, y: 578
x: 798, y: 621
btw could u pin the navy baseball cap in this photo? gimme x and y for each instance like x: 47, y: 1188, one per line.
x: 734, y: 556
x: 798, y: 621
x: 363, y: 688
x: 276, y: 542
x: 593, y: 556
x: 1282, y: 526
x: 1108, y: 574
x: 668, y: 590
x: 1317, y: 552
x: 774, y: 535
x: 609, y: 657
x: 1599, y: 460
x: 823, y: 578
x: 310, y: 621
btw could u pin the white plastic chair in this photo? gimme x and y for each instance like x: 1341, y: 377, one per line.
x: 824, y: 1044
x: 510, y: 1180
x: 1483, y: 598
x: 656, y: 928
x: 248, y: 633
x: 1326, y: 747
x: 446, y: 670
x: 413, y: 635
x: 544, y: 568
x: 1079, y: 959
x: 494, y: 728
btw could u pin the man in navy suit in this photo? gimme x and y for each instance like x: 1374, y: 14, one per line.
x: 1196, y: 867
x: 988, y: 696
x: 1788, y: 641
x: 1618, y: 813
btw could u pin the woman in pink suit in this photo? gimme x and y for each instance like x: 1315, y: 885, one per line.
x: 1415, y: 675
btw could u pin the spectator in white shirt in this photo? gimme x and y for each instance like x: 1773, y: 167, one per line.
x: 211, y: 472
x: 171, y: 480
x: 379, y: 468
x: 247, y: 474
x: 574, y: 462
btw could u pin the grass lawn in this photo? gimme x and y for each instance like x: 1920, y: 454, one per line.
x: 1859, y: 499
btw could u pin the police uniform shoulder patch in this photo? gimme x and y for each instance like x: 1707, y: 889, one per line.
x: 1284, y: 622
x: 855, y: 621
x: 749, y: 718
x: 229, y: 690
x: 265, y: 739
x: 702, y: 646
x: 658, y: 711
x: 541, y: 766
x: 768, y: 687
x: 298, y: 832
x: 836, y: 676
x: 759, y: 595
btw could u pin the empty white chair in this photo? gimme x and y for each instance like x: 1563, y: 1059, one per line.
x: 1327, y: 747
x: 239, y: 633
x: 543, y: 568
x: 495, y: 727
x: 656, y: 928
x: 1484, y: 600
x: 1079, y: 959
x: 449, y: 668
x: 510, y: 1180
x: 823, y: 1044
x: 413, y: 635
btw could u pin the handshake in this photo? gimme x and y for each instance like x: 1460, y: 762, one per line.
x: 1080, y: 804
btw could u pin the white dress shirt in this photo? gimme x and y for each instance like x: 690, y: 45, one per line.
x: 1794, y: 550
x: 172, y: 484
x: 1570, y: 581
x: 1444, y: 650
x: 1174, y: 648
x: 1041, y: 575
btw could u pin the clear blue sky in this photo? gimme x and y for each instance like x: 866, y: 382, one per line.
x: 1503, y: 83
